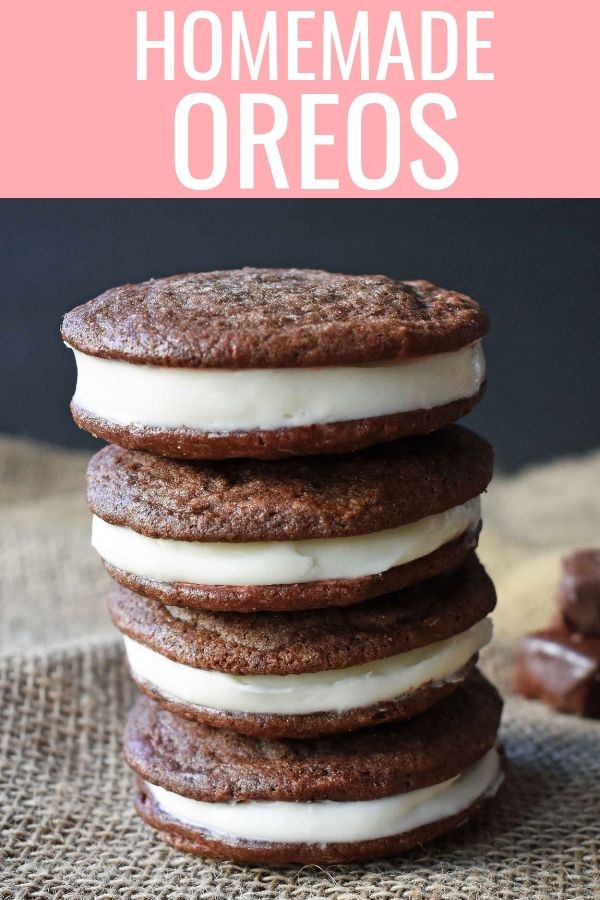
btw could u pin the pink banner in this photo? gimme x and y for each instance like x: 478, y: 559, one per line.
x: 338, y: 99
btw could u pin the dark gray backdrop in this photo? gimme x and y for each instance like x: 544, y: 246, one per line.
x: 533, y: 264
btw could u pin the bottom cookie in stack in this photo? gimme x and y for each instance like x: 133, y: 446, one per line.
x: 348, y: 797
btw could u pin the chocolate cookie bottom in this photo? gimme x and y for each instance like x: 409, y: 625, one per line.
x: 191, y: 840
x: 303, y: 440
x: 268, y: 727
x: 307, y: 595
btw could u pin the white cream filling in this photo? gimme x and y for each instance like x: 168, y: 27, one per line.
x: 222, y: 400
x: 327, y: 821
x: 334, y: 690
x: 279, y: 562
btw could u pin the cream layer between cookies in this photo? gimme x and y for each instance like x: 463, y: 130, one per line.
x: 336, y: 690
x: 279, y: 562
x: 223, y: 401
x: 331, y: 821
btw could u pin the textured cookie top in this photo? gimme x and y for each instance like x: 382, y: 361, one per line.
x: 215, y: 765
x: 309, y: 641
x: 291, y: 499
x: 271, y: 318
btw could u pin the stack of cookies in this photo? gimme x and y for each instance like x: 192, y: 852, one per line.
x: 289, y: 517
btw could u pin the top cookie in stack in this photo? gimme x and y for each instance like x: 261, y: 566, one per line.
x: 268, y: 363
x: 289, y: 518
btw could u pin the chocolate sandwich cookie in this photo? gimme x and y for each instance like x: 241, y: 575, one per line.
x: 364, y: 795
x: 293, y: 534
x: 314, y: 672
x: 273, y: 362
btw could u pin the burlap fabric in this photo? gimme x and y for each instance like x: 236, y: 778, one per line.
x: 67, y: 826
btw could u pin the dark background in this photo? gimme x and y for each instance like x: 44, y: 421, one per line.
x: 535, y: 265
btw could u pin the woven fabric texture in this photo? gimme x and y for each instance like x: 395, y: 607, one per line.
x: 69, y: 831
x: 67, y: 827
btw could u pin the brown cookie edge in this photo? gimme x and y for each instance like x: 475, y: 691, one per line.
x: 304, y: 440
x: 307, y: 595
x: 201, y: 844
x: 270, y: 726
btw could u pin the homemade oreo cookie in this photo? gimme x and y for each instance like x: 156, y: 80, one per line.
x: 273, y: 362
x: 313, y: 672
x: 294, y: 534
x: 364, y: 795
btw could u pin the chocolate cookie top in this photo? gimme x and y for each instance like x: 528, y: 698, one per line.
x: 216, y: 765
x: 292, y: 499
x: 309, y: 641
x: 271, y: 318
